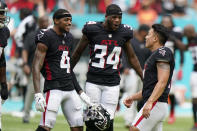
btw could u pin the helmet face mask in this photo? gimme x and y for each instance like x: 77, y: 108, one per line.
x: 4, y: 19
x: 97, y: 118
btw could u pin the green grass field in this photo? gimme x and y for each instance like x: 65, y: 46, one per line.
x: 10, y: 123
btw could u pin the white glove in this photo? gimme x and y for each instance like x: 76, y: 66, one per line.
x: 86, y: 99
x: 40, y: 102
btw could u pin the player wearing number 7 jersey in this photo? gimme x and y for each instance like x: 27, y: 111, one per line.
x: 52, y: 58
x: 106, y: 40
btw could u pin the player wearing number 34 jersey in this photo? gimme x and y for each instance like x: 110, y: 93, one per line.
x: 106, y: 40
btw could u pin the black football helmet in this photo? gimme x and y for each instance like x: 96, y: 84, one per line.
x: 4, y: 19
x: 97, y: 118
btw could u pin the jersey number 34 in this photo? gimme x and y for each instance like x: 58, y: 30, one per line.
x: 113, y: 58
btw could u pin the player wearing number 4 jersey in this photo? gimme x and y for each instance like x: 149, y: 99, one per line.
x: 52, y: 58
x: 106, y: 40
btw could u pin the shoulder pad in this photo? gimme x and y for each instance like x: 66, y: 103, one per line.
x: 127, y: 27
x: 90, y: 27
x: 126, y: 31
x: 163, y: 54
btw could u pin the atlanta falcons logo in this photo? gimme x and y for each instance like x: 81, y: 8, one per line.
x: 40, y: 35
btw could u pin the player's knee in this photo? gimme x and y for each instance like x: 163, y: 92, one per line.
x: 40, y: 128
x: 133, y: 128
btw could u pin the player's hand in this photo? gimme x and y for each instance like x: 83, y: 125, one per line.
x: 128, y: 101
x: 147, y: 108
x: 4, y: 91
x: 180, y: 74
x: 40, y: 102
x: 85, y: 98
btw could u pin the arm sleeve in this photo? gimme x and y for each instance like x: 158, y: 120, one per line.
x: 75, y: 82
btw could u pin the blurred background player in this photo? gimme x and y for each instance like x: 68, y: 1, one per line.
x: 27, y: 56
x: 27, y: 25
x: 106, y: 40
x: 158, y: 72
x: 4, y: 35
x: 52, y: 59
x: 176, y: 35
x: 132, y: 82
x: 189, y: 32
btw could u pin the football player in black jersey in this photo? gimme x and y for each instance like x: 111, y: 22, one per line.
x: 52, y: 58
x: 189, y: 32
x: 106, y: 40
x: 142, y: 53
x: 4, y: 35
x: 158, y: 72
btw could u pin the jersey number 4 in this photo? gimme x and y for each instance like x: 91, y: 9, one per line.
x: 113, y: 58
x: 65, y: 61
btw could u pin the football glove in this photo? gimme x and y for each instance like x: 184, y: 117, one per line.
x: 40, y: 102
x: 86, y: 99
x: 4, y: 91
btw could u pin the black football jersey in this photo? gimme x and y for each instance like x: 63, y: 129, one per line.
x: 150, y: 73
x: 192, y: 47
x: 56, y: 67
x: 4, y: 35
x: 105, y: 52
